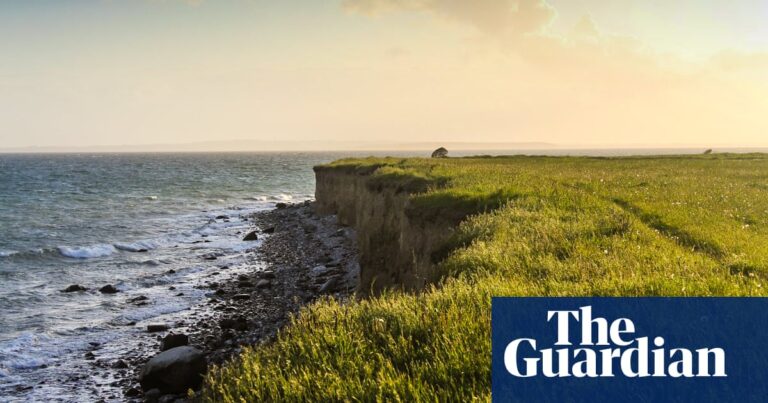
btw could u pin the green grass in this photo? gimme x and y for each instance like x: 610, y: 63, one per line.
x: 543, y: 226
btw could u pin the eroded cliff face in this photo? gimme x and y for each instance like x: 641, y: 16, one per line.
x: 398, y: 246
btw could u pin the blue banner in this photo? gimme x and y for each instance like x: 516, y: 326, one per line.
x: 630, y: 350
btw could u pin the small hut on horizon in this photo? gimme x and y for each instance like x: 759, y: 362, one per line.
x: 440, y: 153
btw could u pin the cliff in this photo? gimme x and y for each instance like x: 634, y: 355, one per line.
x: 399, y: 246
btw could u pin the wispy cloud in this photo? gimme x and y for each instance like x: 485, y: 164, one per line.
x: 507, y: 17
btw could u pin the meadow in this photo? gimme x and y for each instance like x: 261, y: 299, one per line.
x: 534, y: 226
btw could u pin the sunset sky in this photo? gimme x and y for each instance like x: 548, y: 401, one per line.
x: 585, y: 73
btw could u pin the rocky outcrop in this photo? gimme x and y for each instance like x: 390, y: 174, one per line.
x: 399, y: 245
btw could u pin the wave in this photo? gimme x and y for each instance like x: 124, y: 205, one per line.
x: 87, y: 252
x: 140, y: 246
x: 282, y: 197
x: 6, y: 253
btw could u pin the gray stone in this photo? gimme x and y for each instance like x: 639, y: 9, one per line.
x: 174, y: 340
x: 74, y: 288
x: 330, y: 286
x: 108, y: 289
x: 174, y: 370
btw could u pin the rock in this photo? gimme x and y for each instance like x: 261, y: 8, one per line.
x: 157, y: 327
x: 222, y: 217
x: 238, y: 323
x: 74, y: 288
x: 89, y: 356
x: 269, y: 230
x: 174, y: 340
x: 171, y: 271
x: 210, y: 256
x: 329, y: 285
x: 132, y: 392
x: 174, y: 370
x: 320, y: 270
x: 119, y: 364
x: 263, y: 283
x: 251, y: 236
x: 108, y: 289
x: 152, y: 395
x: 167, y: 399
x: 137, y: 299
x: 241, y: 297
x: 281, y: 205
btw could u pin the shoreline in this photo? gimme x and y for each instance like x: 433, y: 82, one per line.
x: 303, y: 256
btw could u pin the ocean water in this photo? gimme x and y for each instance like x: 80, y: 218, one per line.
x: 138, y: 221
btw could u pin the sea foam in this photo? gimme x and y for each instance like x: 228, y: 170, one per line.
x: 283, y: 197
x: 86, y: 252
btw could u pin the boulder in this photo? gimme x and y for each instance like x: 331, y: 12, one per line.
x: 132, y: 392
x: 330, y: 286
x: 270, y: 230
x: 174, y: 340
x: 174, y: 370
x: 108, y: 289
x: 74, y: 288
x: 251, y: 236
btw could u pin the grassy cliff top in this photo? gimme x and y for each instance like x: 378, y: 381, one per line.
x: 542, y: 226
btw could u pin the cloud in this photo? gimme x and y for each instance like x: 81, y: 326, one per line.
x: 508, y: 17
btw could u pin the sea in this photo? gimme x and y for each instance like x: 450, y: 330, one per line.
x: 140, y: 222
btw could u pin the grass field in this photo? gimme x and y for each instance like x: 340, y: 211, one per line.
x: 543, y: 226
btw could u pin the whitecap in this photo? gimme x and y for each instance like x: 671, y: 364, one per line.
x: 86, y: 252
x: 6, y: 253
x: 283, y: 197
x: 257, y: 198
x: 151, y: 197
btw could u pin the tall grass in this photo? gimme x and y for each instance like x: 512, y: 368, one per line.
x: 538, y: 226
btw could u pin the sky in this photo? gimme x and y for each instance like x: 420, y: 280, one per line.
x: 579, y: 73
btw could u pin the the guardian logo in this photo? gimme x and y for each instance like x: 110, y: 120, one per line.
x: 587, y: 346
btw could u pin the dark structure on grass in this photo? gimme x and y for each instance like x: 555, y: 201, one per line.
x: 440, y: 153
